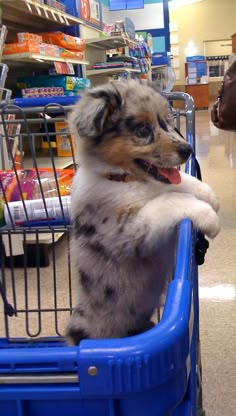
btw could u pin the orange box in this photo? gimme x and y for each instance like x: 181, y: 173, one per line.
x: 63, y: 139
x: 30, y: 46
x: 51, y: 50
x: 26, y: 36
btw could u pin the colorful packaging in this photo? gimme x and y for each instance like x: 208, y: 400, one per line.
x: 36, y: 211
x: 26, y: 37
x: 42, y: 92
x: 67, y: 82
x: 65, y: 41
x: 55, y: 4
x: 24, y: 47
x: 29, y: 183
x: 64, y: 139
x: 51, y: 50
x: 66, y: 53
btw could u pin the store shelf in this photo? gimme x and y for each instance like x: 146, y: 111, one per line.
x: 109, y: 42
x: 43, y: 161
x: 158, y: 66
x: 43, y: 238
x: 28, y: 13
x: 37, y: 58
x: 111, y: 71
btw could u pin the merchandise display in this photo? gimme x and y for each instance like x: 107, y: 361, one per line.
x: 65, y: 141
x: 48, y: 85
x: 29, y: 46
x: 65, y: 41
x: 29, y: 183
x: 36, y: 213
x: 42, y: 92
x: 55, y: 4
x: 51, y: 44
x: 138, y: 58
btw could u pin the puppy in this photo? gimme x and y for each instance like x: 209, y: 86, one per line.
x: 127, y: 201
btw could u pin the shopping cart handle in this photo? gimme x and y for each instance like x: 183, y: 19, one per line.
x: 41, y: 102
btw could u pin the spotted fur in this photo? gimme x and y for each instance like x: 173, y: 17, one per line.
x: 124, y: 230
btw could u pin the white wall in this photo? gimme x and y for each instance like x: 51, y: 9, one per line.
x: 151, y: 17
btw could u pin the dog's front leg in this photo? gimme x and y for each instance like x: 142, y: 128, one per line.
x: 200, y: 190
x: 160, y: 216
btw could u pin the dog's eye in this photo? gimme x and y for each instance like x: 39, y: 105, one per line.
x: 144, y: 132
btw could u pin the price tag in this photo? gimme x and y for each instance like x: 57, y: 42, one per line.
x: 70, y: 69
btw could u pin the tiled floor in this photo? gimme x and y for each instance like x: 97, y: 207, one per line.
x: 216, y: 152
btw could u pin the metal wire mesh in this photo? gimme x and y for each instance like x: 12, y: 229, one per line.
x: 36, y: 283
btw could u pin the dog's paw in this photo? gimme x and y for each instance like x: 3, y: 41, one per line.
x: 207, y: 220
x: 74, y: 332
x: 206, y: 194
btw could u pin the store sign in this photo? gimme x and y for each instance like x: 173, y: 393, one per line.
x: 91, y: 12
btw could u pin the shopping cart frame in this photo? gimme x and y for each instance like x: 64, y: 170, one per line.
x: 155, y: 373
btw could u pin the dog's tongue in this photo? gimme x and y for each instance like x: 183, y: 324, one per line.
x: 172, y: 174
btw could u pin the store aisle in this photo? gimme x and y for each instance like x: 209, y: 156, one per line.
x: 216, y: 151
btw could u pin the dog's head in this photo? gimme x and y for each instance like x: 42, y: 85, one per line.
x: 128, y: 125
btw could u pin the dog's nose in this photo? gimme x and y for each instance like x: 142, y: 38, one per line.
x: 185, y: 150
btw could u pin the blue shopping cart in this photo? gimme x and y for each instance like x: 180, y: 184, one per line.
x: 157, y: 373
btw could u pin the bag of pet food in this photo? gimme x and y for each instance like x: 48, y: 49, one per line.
x: 65, y: 41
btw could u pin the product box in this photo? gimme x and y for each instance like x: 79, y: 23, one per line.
x: 24, y: 47
x: 26, y: 36
x: 56, y: 5
x: 63, y: 139
x: 51, y: 50
x: 160, y: 58
x: 68, y: 83
x: 42, y: 92
x: 72, y: 6
x: 65, y: 53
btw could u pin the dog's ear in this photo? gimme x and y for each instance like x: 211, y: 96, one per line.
x: 97, y: 111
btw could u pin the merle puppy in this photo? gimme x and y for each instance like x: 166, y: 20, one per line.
x: 127, y: 201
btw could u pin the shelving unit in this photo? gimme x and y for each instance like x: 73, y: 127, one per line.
x: 34, y: 16
x: 29, y: 16
x: 158, y: 66
x: 42, y: 162
x: 96, y: 51
x: 109, y: 42
x: 36, y: 58
x: 110, y: 71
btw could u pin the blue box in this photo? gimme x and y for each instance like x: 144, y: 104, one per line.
x: 72, y: 7
x: 160, y: 59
